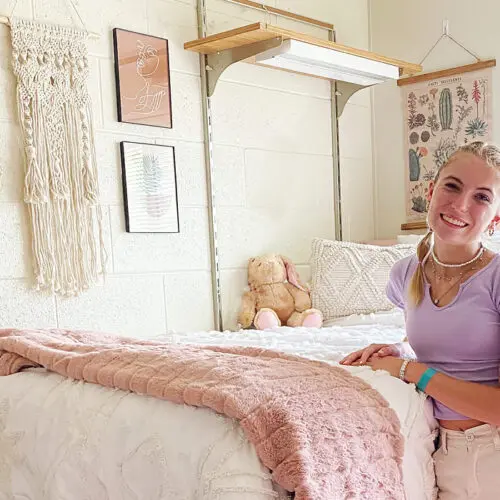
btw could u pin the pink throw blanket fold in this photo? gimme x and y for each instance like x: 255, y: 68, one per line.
x: 323, y: 433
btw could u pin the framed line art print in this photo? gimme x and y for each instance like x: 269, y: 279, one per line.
x: 149, y: 188
x: 142, y: 73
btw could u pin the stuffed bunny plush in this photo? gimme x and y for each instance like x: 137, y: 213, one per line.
x: 276, y: 296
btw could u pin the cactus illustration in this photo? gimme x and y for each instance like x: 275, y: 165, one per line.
x: 414, y: 165
x: 414, y: 138
x: 418, y: 197
x: 445, y: 109
x: 414, y: 162
x: 419, y: 204
x: 476, y: 128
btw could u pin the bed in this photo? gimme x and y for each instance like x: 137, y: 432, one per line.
x: 61, y: 439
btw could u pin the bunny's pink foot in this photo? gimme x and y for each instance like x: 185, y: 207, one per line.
x: 266, y: 318
x: 312, y: 318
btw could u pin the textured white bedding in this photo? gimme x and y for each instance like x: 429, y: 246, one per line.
x: 61, y: 439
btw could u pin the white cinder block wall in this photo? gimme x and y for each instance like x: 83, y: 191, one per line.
x: 397, y: 30
x: 273, y: 170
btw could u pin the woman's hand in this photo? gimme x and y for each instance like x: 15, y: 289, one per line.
x: 373, y: 350
x: 391, y: 364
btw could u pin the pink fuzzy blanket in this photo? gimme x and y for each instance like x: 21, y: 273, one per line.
x: 323, y: 433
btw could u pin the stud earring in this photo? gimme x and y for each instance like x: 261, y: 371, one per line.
x: 491, y: 230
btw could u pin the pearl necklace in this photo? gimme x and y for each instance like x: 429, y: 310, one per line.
x: 442, y: 264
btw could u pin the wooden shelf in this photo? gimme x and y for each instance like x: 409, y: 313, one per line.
x: 259, y: 32
x: 413, y: 226
x: 490, y: 63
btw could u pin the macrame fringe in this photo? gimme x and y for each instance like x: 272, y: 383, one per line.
x: 61, y: 183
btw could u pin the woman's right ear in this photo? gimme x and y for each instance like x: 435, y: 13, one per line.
x: 430, y: 190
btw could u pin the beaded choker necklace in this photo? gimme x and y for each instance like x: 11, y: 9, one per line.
x: 463, y: 264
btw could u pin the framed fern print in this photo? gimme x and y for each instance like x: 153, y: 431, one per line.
x: 442, y: 111
x: 149, y: 188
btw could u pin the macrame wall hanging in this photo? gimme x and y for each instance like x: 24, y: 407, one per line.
x: 60, y: 189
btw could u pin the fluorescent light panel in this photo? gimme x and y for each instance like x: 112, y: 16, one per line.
x: 327, y: 63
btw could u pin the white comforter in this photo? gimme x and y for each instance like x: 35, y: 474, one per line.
x: 65, y: 440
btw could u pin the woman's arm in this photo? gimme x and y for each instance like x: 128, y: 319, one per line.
x: 476, y: 401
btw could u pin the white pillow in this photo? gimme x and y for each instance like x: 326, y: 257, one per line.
x: 394, y: 317
x: 350, y: 278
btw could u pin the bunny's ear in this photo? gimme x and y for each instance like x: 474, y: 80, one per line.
x: 291, y: 273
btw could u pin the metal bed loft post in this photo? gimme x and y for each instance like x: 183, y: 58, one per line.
x: 336, y: 110
x: 209, y: 169
x: 340, y: 94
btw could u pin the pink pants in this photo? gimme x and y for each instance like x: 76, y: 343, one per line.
x: 468, y: 464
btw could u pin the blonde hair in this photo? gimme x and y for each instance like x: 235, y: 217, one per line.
x: 491, y: 156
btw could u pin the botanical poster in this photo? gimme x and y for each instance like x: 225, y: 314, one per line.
x: 440, y: 115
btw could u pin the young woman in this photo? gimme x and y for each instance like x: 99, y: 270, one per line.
x: 450, y: 293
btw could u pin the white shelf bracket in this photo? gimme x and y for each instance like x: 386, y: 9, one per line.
x: 344, y: 92
x: 217, y: 63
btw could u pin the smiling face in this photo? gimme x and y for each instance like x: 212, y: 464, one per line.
x: 464, y: 200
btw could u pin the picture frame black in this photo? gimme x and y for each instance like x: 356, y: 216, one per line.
x: 148, y: 96
x: 150, y: 190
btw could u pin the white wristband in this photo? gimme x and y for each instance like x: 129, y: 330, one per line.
x: 402, y: 370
